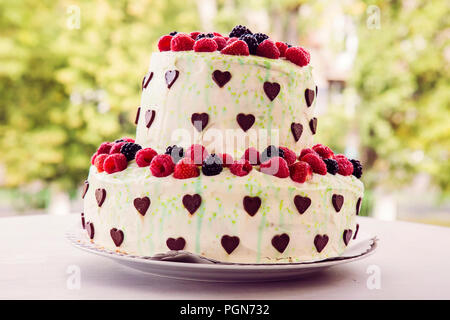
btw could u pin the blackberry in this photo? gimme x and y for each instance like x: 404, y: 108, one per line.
x: 357, y: 168
x: 251, y: 42
x: 212, y: 165
x: 176, y: 152
x: 332, y: 166
x: 289, y: 45
x: 173, y: 33
x: 270, y: 152
x: 239, y: 31
x: 205, y: 35
x: 129, y: 150
x: 260, y: 37
x: 119, y: 140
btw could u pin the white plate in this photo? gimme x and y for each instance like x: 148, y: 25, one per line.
x: 200, y: 269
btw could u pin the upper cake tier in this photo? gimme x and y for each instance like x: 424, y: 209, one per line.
x: 227, y: 103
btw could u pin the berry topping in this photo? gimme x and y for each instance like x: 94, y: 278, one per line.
x: 175, y: 152
x: 129, y: 149
x: 194, y: 34
x: 289, y: 155
x: 104, y: 147
x: 260, y: 37
x: 162, y: 165
x: 204, y: 35
x: 270, y: 152
x: 227, y: 160
x: 305, y: 151
x: 298, y: 55
x: 205, y: 45
x: 145, y: 156
x: 251, y: 42
x: 124, y: 139
x: 345, y: 166
x: 197, y: 153
x: 357, y: 168
x: 282, y: 47
x: 236, y: 48
x: 316, y: 163
x: 99, y: 161
x: 231, y: 40
x: 182, y: 42
x: 252, y: 156
x: 268, y: 49
x: 93, y: 158
x: 241, y: 168
x: 221, y: 42
x: 173, y: 33
x: 186, y: 169
x: 301, y: 172
x: 164, y: 43
x: 238, y: 31
x: 276, y: 167
x: 212, y: 165
x: 323, y: 151
x: 114, y: 163
x: 216, y: 34
x: 332, y: 166
x: 116, y: 147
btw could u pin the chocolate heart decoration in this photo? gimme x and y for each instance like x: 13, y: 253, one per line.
x: 229, y: 243
x: 146, y: 81
x: 221, y: 78
x: 347, y: 236
x: 320, y: 241
x: 280, y: 242
x: 338, y: 201
x: 251, y: 204
x: 245, y: 121
x: 149, y: 117
x: 297, y: 130
x: 82, y: 221
x: 356, y: 231
x: 302, y: 203
x: 138, y: 113
x: 142, y: 205
x: 309, y: 97
x: 100, y: 195
x: 85, y: 189
x: 176, y: 244
x: 192, y: 202
x: 271, y: 89
x: 199, y: 121
x: 358, y: 205
x: 313, y: 125
x: 90, y: 229
x: 171, y: 77
x: 116, y: 236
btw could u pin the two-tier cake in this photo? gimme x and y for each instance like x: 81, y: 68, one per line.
x: 224, y: 164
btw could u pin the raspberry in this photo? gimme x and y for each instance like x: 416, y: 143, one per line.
x: 298, y: 55
x: 205, y: 45
x: 252, y: 156
x: 323, y: 151
x: 315, y: 162
x: 162, y: 165
x: 221, y: 42
x: 130, y: 149
x: 99, y: 161
x: 239, y: 30
x: 276, y: 167
x: 231, y: 40
x: 227, y: 160
x: 345, y: 166
x: 175, y: 152
x: 182, y: 42
x: 236, y: 48
x: 282, y: 47
x: 357, y: 168
x: 93, y: 158
x: 289, y: 155
x: 104, y: 147
x: 164, y: 43
x: 260, y: 37
x: 145, y: 156
x: 270, y: 152
x: 185, y: 169
x: 194, y: 34
x: 197, y: 153
x: 332, y: 166
x: 115, y: 162
x: 301, y: 172
x: 251, y: 42
x: 216, y: 34
x: 305, y: 151
x: 116, y: 147
x: 268, y: 49
x: 212, y: 165
x: 241, y: 168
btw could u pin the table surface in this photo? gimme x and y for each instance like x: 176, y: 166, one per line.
x: 36, y: 262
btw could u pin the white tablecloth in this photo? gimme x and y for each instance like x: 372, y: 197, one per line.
x: 36, y: 262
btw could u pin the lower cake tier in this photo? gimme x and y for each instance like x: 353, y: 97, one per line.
x: 257, y: 218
